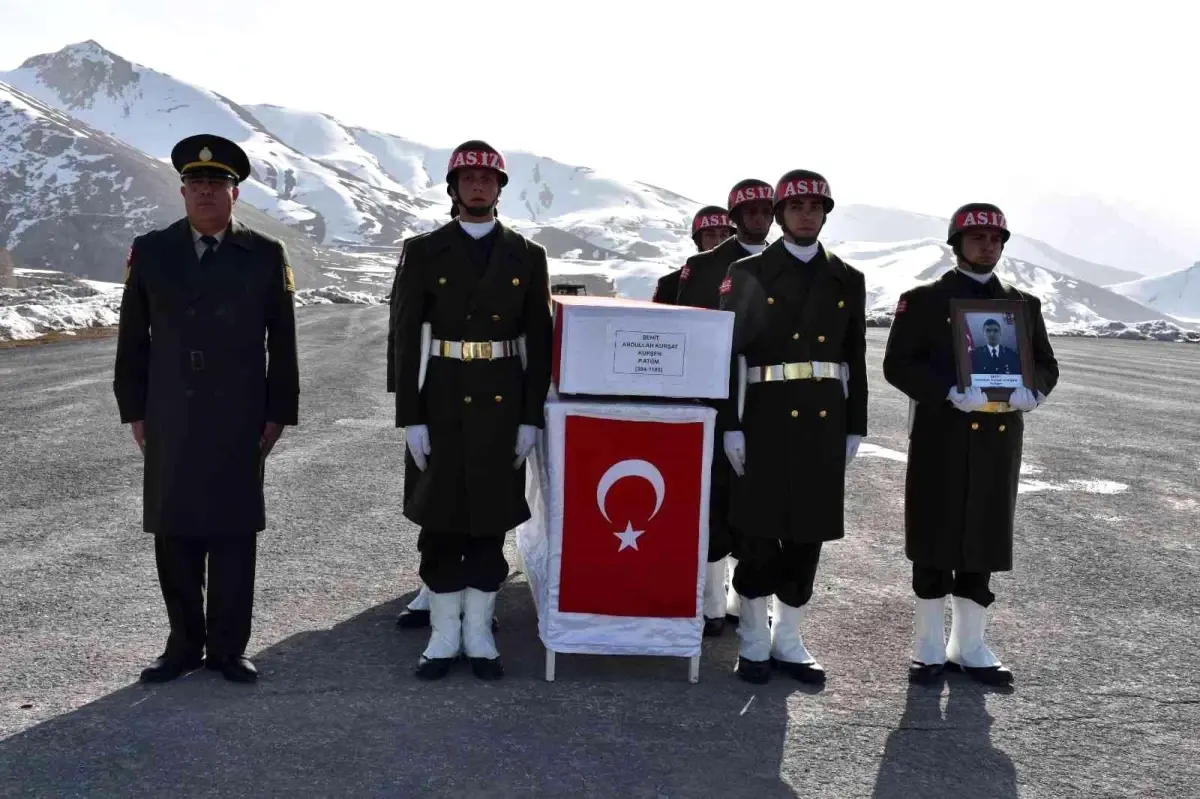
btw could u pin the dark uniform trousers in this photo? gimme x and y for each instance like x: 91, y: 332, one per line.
x: 225, y: 628
x: 453, y: 561
x: 768, y: 566
x: 933, y: 583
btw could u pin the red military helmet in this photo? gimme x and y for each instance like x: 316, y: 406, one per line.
x: 708, y: 217
x: 801, y: 183
x: 977, y: 215
x: 748, y: 191
x: 476, y: 154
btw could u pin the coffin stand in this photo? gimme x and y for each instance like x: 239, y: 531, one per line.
x: 541, y: 541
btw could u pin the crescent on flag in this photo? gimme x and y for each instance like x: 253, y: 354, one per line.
x: 631, y: 468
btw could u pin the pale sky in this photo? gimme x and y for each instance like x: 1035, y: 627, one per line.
x: 920, y: 105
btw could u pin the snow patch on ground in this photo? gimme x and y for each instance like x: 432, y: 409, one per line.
x: 60, y: 303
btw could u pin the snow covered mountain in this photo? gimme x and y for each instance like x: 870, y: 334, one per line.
x: 1175, y: 293
x: 73, y: 198
x: 346, y: 196
x: 868, y: 223
x: 151, y: 111
x: 894, y: 267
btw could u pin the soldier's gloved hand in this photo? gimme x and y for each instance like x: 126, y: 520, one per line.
x: 735, y: 450
x: 845, y: 380
x: 1022, y: 399
x: 852, y: 442
x: 417, y: 438
x: 526, y: 438
x: 971, y: 400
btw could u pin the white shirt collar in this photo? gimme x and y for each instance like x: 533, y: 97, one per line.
x: 477, y: 230
x: 805, y: 254
x: 218, y: 236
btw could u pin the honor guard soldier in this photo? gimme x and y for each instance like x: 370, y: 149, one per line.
x: 750, y: 214
x: 796, y: 413
x: 710, y: 226
x: 964, y: 455
x: 472, y: 343
x: 206, y: 375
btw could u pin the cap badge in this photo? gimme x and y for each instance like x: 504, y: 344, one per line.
x: 205, y: 154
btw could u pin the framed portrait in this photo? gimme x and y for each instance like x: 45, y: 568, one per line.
x: 993, y: 346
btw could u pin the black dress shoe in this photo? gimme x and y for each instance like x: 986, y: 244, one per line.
x: 487, y: 668
x: 713, y: 627
x: 434, y: 668
x: 754, y: 671
x: 410, y: 619
x: 236, y: 668
x: 924, y: 673
x: 812, y: 673
x: 988, y: 675
x: 168, y: 667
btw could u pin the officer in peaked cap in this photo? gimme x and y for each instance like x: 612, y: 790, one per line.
x: 207, y: 377
x: 207, y: 154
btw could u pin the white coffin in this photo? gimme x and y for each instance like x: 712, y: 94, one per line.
x: 621, y: 348
x: 540, y: 541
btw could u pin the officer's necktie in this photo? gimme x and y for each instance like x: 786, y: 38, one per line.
x: 210, y: 245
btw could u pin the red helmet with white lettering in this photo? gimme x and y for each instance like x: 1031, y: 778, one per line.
x: 800, y: 183
x: 974, y: 216
x: 476, y: 154
x: 748, y: 191
x: 708, y: 217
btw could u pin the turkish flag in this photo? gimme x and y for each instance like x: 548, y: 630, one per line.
x: 631, y: 517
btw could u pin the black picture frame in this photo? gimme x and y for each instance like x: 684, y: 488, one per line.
x: 1009, y: 314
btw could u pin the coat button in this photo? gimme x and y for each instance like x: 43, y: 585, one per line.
x: 770, y: 300
x: 795, y: 414
x: 821, y: 414
x: 821, y: 339
x: 841, y: 303
x: 468, y: 317
x: 499, y: 398
x: 516, y: 281
x: 1001, y: 428
x: 441, y: 281
x: 495, y: 317
x: 974, y: 425
x: 947, y: 320
x: 795, y: 336
x: 467, y: 398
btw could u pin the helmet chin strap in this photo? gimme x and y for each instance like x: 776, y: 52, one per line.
x: 978, y: 269
x: 803, y: 241
x: 488, y: 211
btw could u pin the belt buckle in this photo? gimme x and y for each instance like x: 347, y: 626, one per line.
x: 477, y: 349
x: 797, y: 371
x: 197, y: 358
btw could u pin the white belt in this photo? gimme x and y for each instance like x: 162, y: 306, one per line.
x: 473, y: 350
x: 805, y: 370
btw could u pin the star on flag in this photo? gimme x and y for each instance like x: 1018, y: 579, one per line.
x: 629, y: 537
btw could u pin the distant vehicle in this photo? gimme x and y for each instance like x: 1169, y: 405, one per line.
x: 577, y: 289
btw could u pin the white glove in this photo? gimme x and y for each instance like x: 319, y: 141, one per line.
x: 852, y: 442
x: 526, y: 438
x: 1022, y: 399
x: 735, y: 450
x: 971, y: 400
x: 417, y: 438
x: 845, y: 380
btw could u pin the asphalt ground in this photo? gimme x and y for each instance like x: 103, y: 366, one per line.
x: 1098, y: 621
